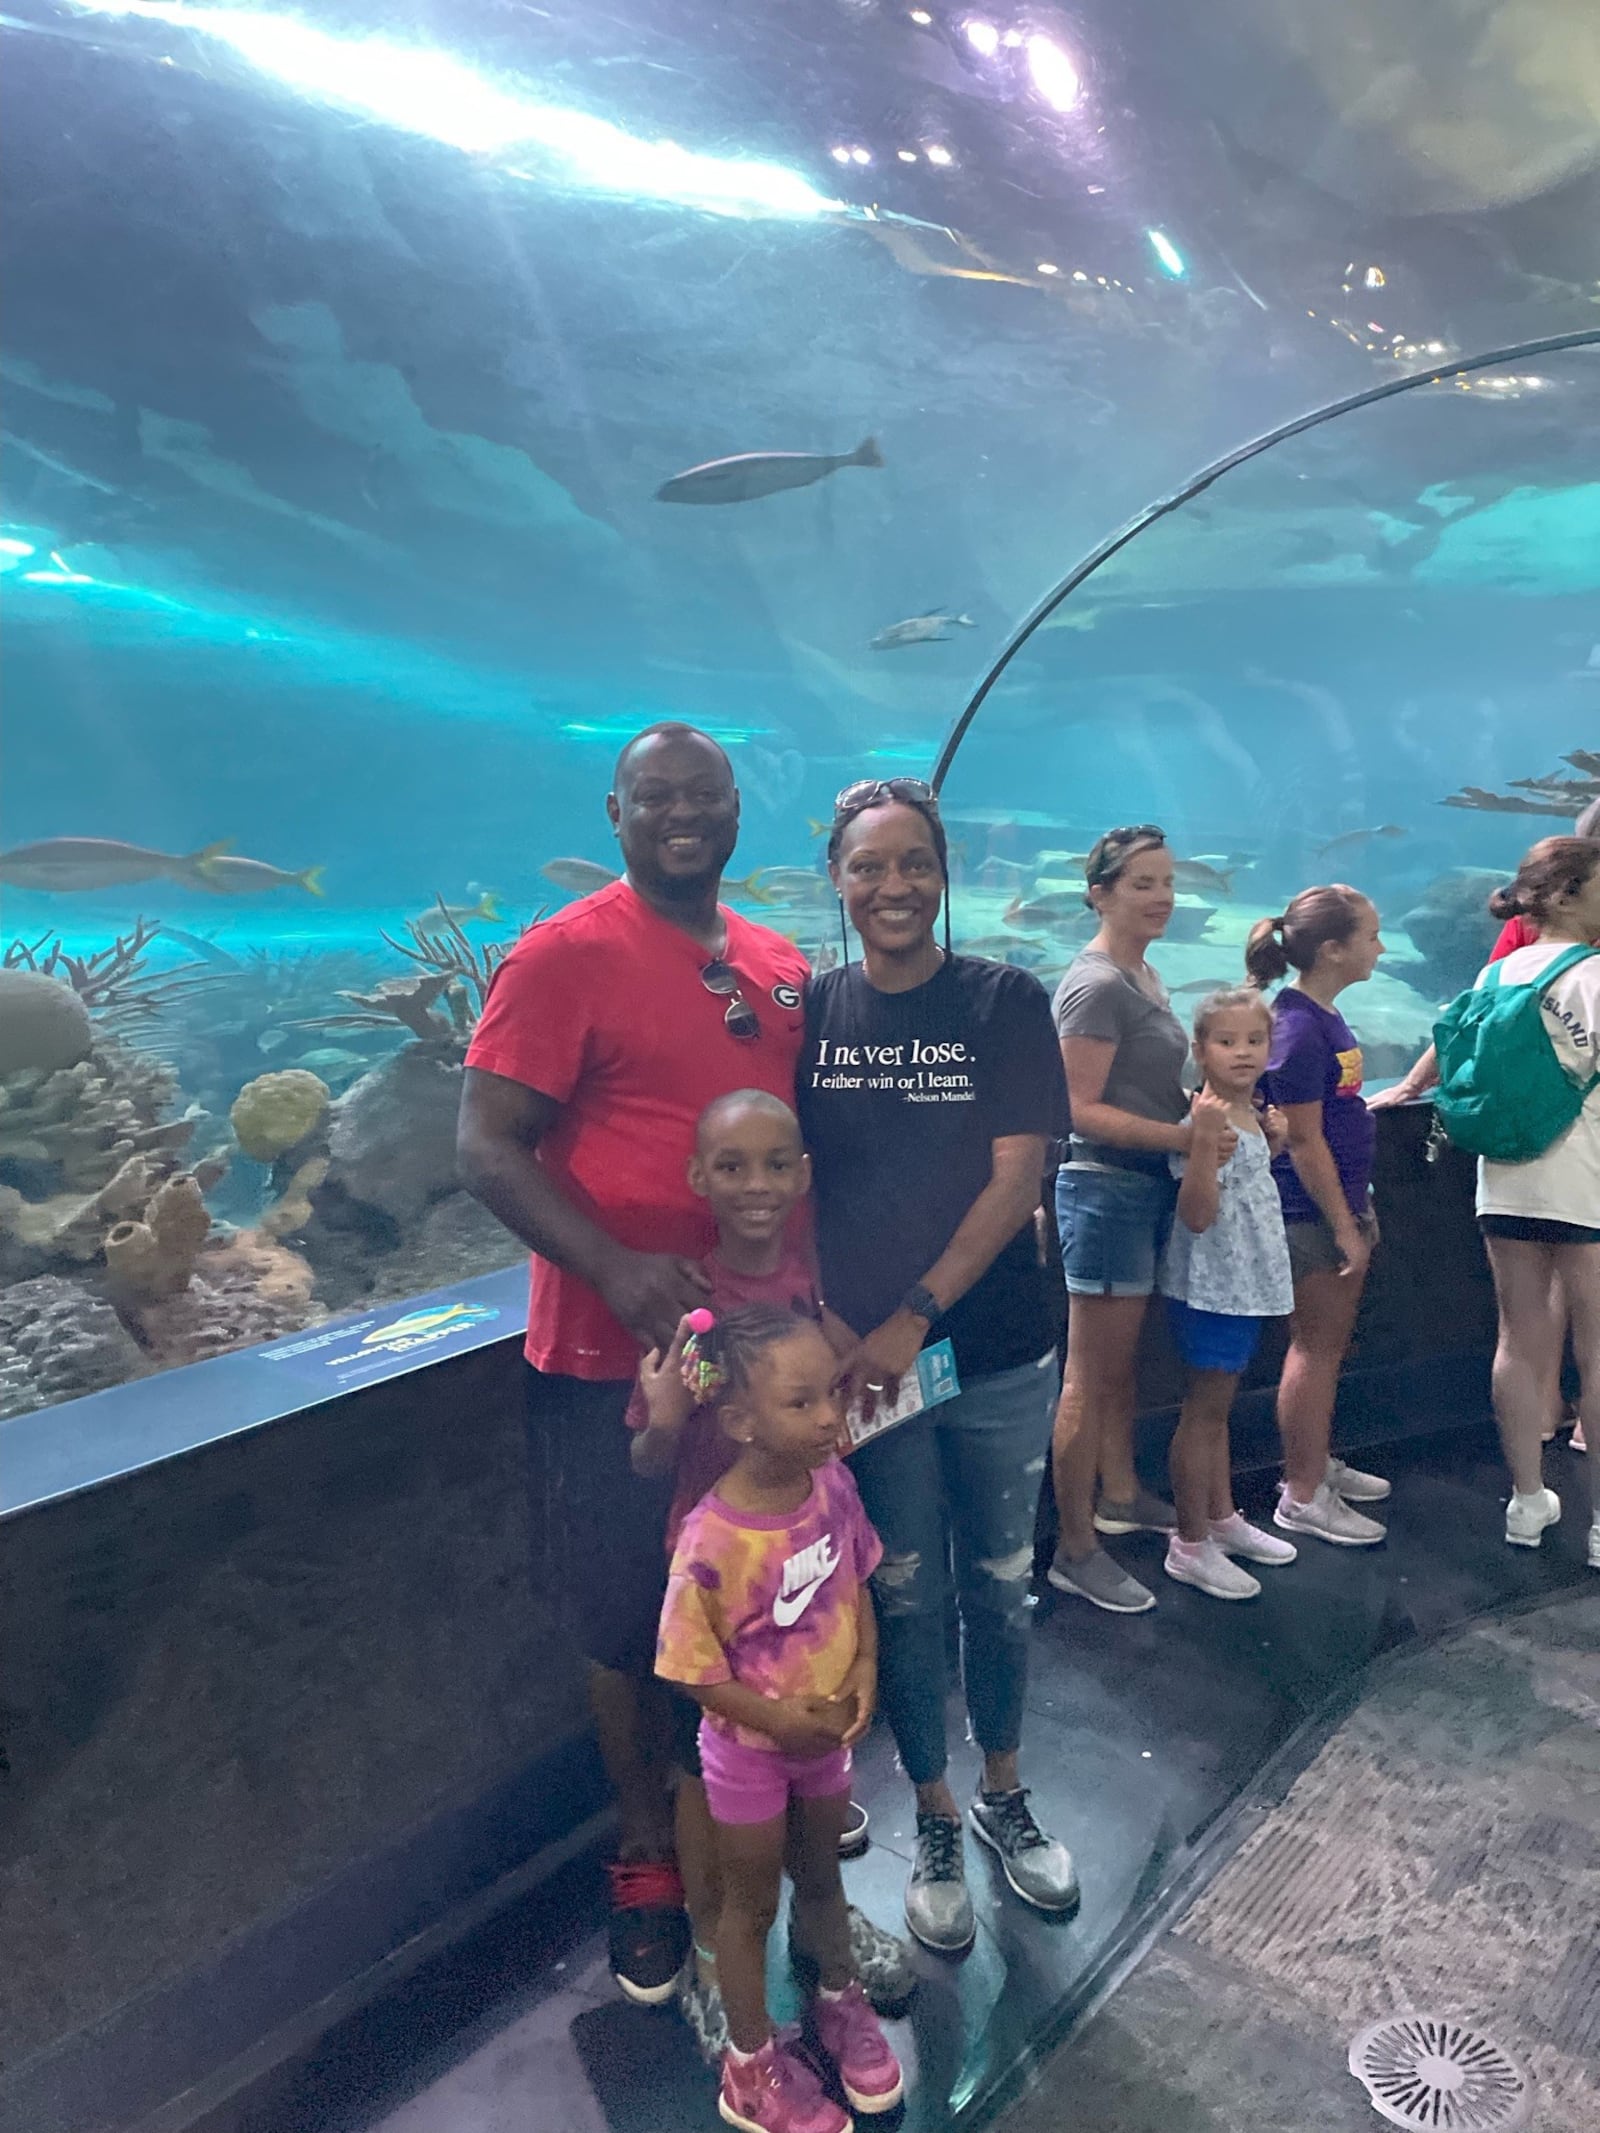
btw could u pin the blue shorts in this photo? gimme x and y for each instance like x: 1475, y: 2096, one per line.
x: 1114, y: 1226
x: 1213, y: 1340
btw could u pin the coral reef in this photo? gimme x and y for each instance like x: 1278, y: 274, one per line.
x: 276, y: 1112
x: 1552, y: 795
x: 244, y: 1288
x: 58, y: 1340
x: 115, y: 984
x: 292, y: 1208
x: 392, y: 1136
x: 43, y: 1024
x: 156, y: 1256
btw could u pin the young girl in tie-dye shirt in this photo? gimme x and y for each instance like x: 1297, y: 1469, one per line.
x: 768, y: 1624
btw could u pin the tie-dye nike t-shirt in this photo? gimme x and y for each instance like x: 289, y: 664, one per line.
x: 768, y: 1600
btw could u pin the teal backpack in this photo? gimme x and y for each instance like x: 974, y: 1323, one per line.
x: 1503, y: 1092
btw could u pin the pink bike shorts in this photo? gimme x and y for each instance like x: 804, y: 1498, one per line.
x: 746, y: 1784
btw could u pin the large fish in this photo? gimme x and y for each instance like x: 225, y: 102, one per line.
x: 224, y: 875
x: 1054, y: 908
x: 487, y: 909
x: 1353, y: 840
x: 581, y: 877
x: 932, y: 628
x: 792, y: 885
x: 65, y: 865
x: 747, y: 475
x: 1193, y: 877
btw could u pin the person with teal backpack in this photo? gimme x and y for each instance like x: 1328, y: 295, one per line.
x: 1519, y: 1086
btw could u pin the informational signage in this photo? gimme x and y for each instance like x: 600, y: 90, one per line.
x: 359, y: 1350
x: 932, y: 1382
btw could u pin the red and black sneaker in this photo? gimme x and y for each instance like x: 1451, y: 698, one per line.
x: 650, y: 1936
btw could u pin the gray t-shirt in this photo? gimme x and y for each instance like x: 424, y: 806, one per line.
x: 1098, y: 998
x: 1238, y: 1267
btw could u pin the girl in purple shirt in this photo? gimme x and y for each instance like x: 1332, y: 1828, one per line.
x: 1329, y: 937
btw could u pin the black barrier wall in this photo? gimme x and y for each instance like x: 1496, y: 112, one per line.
x: 283, y: 1709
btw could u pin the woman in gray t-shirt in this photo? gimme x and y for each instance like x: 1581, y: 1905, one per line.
x: 1124, y: 1051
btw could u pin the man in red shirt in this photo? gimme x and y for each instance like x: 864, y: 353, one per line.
x: 607, y: 1031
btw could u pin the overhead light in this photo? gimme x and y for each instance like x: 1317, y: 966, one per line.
x: 939, y: 155
x: 1375, y: 278
x: 1046, y: 268
x: 1167, y: 253
x: 840, y: 155
x: 983, y: 37
x: 921, y: 16
x: 861, y: 155
x: 422, y: 90
x: 906, y: 155
x: 1054, y: 75
x: 1079, y: 275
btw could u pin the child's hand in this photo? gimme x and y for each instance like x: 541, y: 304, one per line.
x: 1276, y: 1128
x: 667, y: 1399
x: 805, y: 1725
x: 858, y: 1694
x: 1212, y: 1128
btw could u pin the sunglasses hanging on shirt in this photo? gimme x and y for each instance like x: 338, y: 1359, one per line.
x: 741, y: 1020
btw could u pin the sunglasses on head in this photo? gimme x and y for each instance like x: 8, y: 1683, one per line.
x: 868, y: 792
x: 741, y: 1019
x: 1111, y: 846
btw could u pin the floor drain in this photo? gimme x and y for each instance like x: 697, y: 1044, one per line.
x: 1430, y: 2071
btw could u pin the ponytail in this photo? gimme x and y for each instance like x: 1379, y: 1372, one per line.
x: 1552, y: 868
x: 719, y: 1357
x: 1264, y: 959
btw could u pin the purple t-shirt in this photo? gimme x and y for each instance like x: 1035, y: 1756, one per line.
x: 1315, y: 1059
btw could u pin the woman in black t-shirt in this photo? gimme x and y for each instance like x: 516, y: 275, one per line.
x: 929, y: 1089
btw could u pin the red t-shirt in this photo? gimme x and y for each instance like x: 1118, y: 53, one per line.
x: 705, y: 1450
x: 1515, y: 933
x: 601, y: 1008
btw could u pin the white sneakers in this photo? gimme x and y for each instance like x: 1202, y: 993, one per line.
x: 1204, y: 1565
x: 1594, y: 1544
x: 1327, y: 1517
x: 1236, y: 1536
x: 1527, y: 1517
x: 1355, y: 1486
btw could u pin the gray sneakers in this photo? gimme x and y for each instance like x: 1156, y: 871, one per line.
x: 1355, y: 1486
x: 1146, y: 1513
x: 938, y: 1907
x: 1103, y: 1583
x: 883, y: 1964
x: 1327, y: 1517
x: 1039, y: 1869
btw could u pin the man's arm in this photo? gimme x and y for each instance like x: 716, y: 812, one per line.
x: 501, y: 1125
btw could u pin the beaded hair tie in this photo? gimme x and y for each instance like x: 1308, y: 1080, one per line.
x: 702, y: 1373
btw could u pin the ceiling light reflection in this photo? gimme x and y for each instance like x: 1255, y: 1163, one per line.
x: 1167, y: 253
x: 982, y: 36
x: 425, y: 91
x: 941, y: 156
x: 1054, y: 75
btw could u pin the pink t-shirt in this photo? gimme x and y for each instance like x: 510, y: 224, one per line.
x: 769, y: 1600
x: 705, y: 1452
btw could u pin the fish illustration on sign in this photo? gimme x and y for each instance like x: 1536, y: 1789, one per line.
x: 748, y: 475
x: 225, y: 875
x: 934, y: 627
x: 72, y: 865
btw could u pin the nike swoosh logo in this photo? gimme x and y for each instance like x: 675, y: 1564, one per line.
x: 787, y: 1608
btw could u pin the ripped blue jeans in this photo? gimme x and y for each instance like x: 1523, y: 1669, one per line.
x: 968, y: 1474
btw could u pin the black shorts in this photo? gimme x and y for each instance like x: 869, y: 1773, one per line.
x: 1534, y: 1229
x: 600, y: 1532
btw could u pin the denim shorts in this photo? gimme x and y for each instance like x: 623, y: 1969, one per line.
x: 1114, y: 1226
x: 1213, y: 1340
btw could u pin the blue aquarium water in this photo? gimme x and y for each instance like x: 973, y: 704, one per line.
x: 347, y: 354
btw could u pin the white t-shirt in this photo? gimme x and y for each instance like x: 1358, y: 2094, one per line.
x: 1563, y: 1184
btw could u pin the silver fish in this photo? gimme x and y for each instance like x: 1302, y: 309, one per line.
x: 747, y: 475
x: 1353, y: 840
x: 1193, y: 877
x: 792, y: 885
x: 487, y: 909
x: 68, y: 864
x: 932, y: 628
x: 224, y: 875
x: 581, y: 876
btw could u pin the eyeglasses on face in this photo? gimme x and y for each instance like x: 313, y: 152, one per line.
x: 868, y: 792
x: 741, y: 1019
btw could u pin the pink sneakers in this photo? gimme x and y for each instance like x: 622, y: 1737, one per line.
x: 774, y: 2091
x: 847, y: 2030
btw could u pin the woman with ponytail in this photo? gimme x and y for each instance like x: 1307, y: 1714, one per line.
x: 1328, y: 937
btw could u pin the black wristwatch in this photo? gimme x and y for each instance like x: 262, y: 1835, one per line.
x: 920, y: 1302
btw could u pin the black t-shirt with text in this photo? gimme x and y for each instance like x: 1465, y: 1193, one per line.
x: 900, y: 1096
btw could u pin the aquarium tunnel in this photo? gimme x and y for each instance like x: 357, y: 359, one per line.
x: 1191, y: 417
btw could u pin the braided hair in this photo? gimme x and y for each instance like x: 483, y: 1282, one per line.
x: 723, y: 1358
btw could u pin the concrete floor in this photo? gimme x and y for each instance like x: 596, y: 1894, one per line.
x: 1142, y: 1732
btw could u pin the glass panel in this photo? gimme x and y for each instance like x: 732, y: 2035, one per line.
x: 347, y: 355
x: 1371, y: 655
